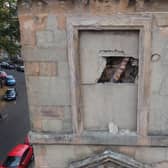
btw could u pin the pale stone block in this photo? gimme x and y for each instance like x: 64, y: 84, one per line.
x: 160, y: 43
x: 128, y: 151
x: 40, y: 156
x: 48, y: 91
x: 157, y: 76
x: 150, y: 155
x: 44, y: 54
x: 163, y: 164
x: 164, y: 86
x: 51, y: 38
x: 32, y: 68
x: 35, y: 118
x: 161, y: 19
x: 61, y: 156
x: 52, y: 125
x: 45, y: 39
x: 51, y: 22
x: 154, y: 122
x: 102, y: 104
x: 158, y: 114
x: 63, y: 69
x: 48, y: 68
x: 54, y: 112
x: 67, y: 113
x: 67, y: 126
x: 61, y: 21
x: 60, y: 38
x: 41, y: 68
x: 27, y: 29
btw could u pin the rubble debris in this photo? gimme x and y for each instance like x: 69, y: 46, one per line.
x: 119, y: 70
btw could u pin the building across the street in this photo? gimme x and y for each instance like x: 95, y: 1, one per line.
x: 97, y: 82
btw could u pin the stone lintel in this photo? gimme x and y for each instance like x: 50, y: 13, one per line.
x: 97, y: 139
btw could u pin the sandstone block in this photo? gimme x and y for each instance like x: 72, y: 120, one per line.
x: 48, y: 91
x: 48, y: 68
x: 52, y: 125
x: 150, y: 155
x: 32, y: 68
x: 56, y: 112
x: 44, y: 54
x: 45, y: 39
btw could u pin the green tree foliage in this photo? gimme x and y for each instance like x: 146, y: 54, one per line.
x: 9, y: 27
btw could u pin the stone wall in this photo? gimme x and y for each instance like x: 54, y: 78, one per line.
x: 45, y: 48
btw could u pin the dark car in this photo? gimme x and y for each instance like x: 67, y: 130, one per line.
x: 11, y: 66
x: 19, y: 157
x: 4, y: 65
x: 10, y: 94
x: 20, y: 68
x: 10, y: 80
x: 7, y: 65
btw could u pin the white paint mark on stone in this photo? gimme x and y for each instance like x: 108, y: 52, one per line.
x: 113, y: 128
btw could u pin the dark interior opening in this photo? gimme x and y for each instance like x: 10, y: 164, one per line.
x: 119, y: 70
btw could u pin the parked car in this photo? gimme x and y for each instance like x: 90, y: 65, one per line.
x: 20, y: 68
x: 3, y: 74
x: 19, y: 157
x: 10, y: 94
x: 4, y: 65
x: 11, y: 66
x: 10, y: 80
x: 7, y: 65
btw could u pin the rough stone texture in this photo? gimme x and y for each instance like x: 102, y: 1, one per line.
x: 40, y: 159
x: 57, y: 153
x: 63, y: 155
x: 48, y: 69
x: 32, y: 68
x: 48, y: 91
x: 51, y: 118
x: 51, y: 38
x: 150, y: 155
x: 108, y: 99
x: 52, y: 112
x: 41, y: 68
x: 91, y: 46
x: 108, y: 158
x: 27, y: 26
x: 158, y: 114
x: 63, y: 69
x: 52, y: 125
x: 44, y: 39
x: 41, y: 54
x: 163, y: 164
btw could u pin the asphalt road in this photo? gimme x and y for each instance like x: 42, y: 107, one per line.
x: 15, y: 127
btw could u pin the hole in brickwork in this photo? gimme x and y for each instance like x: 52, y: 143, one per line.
x: 119, y: 70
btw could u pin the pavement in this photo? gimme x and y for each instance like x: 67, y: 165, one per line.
x: 16, y: 125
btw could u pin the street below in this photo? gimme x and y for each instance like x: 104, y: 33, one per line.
x: 15, y: 127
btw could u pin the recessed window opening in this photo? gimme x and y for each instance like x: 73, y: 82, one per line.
x: 119, y: 70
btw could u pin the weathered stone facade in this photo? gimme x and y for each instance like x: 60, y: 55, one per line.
x: 66, y: 44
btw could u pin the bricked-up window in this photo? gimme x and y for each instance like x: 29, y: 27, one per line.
x: 119, y: 70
